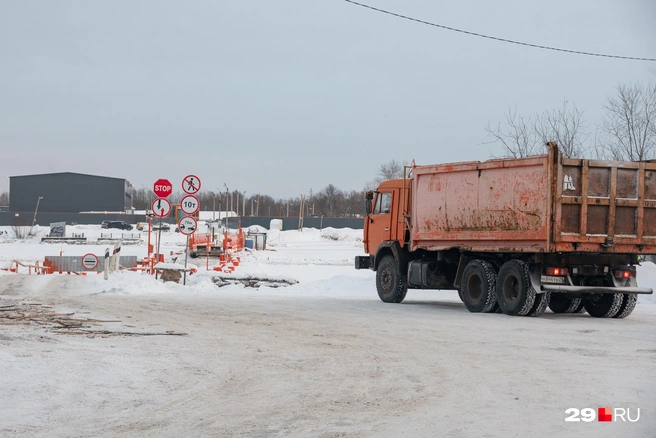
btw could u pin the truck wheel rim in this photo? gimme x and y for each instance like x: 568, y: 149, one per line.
x: 386, y: 279
x: 475, y: 288
x: 510, y: 288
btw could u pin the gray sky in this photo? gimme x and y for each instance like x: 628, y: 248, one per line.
x: 280, y: 97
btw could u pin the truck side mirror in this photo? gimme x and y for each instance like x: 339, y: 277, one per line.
x: 369, y: 196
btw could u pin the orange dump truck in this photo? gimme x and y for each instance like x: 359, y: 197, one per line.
x: 516, y: 235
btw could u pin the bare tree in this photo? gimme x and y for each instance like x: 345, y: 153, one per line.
x: 4, y: 198
x: 330, y: 201
x: 565, y: 126
x: 628, y: 131
x: 518, y: 139
x: 390, y: 170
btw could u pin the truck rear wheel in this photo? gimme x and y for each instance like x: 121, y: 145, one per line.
x: 580, y: 308
x: 540, y: 304
x: 478, y: 286
x: 389, y: 282
x: 603, y: 305
x: 560, y: 303
x: 515, y: 293
x: 629, y: 302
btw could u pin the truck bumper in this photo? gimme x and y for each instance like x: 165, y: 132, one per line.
x: 363, y: 262
x: 596, y: 290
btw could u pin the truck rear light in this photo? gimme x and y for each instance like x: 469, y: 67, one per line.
x: 624, y: 274
x: 557, y: 272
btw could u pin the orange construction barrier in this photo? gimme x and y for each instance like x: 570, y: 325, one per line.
x: 38, y: 269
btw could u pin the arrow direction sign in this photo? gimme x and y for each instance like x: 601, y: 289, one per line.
x: 162, y: 188
x: 161, y: 207
x: 187, y: 225
x: 191, y: 184
x: 189, y: 204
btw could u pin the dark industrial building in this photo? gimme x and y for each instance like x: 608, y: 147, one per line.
x: 69, y: 192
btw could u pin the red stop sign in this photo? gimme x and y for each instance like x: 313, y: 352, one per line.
x: 163, y: 188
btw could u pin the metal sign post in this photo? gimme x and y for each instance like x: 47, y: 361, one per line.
x: 187, y: 226
x: 184, y: 281
x: 161, y: 208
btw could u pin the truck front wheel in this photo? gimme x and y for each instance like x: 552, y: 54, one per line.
x: 389, y: 282
x: 478, y: 286
x: 515, y: 293
x: 603, y: 305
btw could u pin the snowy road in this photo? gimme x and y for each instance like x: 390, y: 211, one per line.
x: 323, y: 358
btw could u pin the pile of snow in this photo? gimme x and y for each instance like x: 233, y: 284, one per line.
x: 275, y: 237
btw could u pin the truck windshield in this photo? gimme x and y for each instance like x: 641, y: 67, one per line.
x: 383, y: 203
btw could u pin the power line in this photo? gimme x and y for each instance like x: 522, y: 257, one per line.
x: 537, y: 46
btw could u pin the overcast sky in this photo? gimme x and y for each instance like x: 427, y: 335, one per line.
x: 280, y: 97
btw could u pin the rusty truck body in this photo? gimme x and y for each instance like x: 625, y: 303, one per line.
x: 516, y: 235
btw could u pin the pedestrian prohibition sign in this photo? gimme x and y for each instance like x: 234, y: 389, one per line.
x: 161, y: 207
x: 191, y: 184
x: 89, y: 261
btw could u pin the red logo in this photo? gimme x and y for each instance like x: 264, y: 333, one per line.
x: 604, y: 414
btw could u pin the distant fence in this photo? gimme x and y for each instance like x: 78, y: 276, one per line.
x: 291, y: 223
x: 74, y: 263
x: 9, y: 218
x: 288, y: 223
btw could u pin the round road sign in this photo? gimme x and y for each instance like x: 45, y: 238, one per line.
x: 89, y: 261
x: 187, y: 225
x: 189, y: 204
x: 191, y: 184
x: 161, y: 207
x: 162, y: 188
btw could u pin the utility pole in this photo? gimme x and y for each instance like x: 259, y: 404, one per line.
x: 35, y: 210
x: 243, y: 204
x: 226, y: 203
x: 300, y: 213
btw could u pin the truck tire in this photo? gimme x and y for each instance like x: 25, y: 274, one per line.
x: 478, y: 286
x: 603, y: 305
x: 515, y: 293
x: 560, y: 303
x: 389, y: 282
x: 540, y: 304
x: 580, y: 308
x: 629, y: 302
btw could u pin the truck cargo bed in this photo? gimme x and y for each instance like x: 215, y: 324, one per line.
x: 544, y: 203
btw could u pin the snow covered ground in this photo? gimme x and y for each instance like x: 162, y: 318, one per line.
x: 321, y: 358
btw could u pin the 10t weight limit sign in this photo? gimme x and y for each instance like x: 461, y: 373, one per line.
x: 189, y: 204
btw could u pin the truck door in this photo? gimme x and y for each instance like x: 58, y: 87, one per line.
x: 380, y: 221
